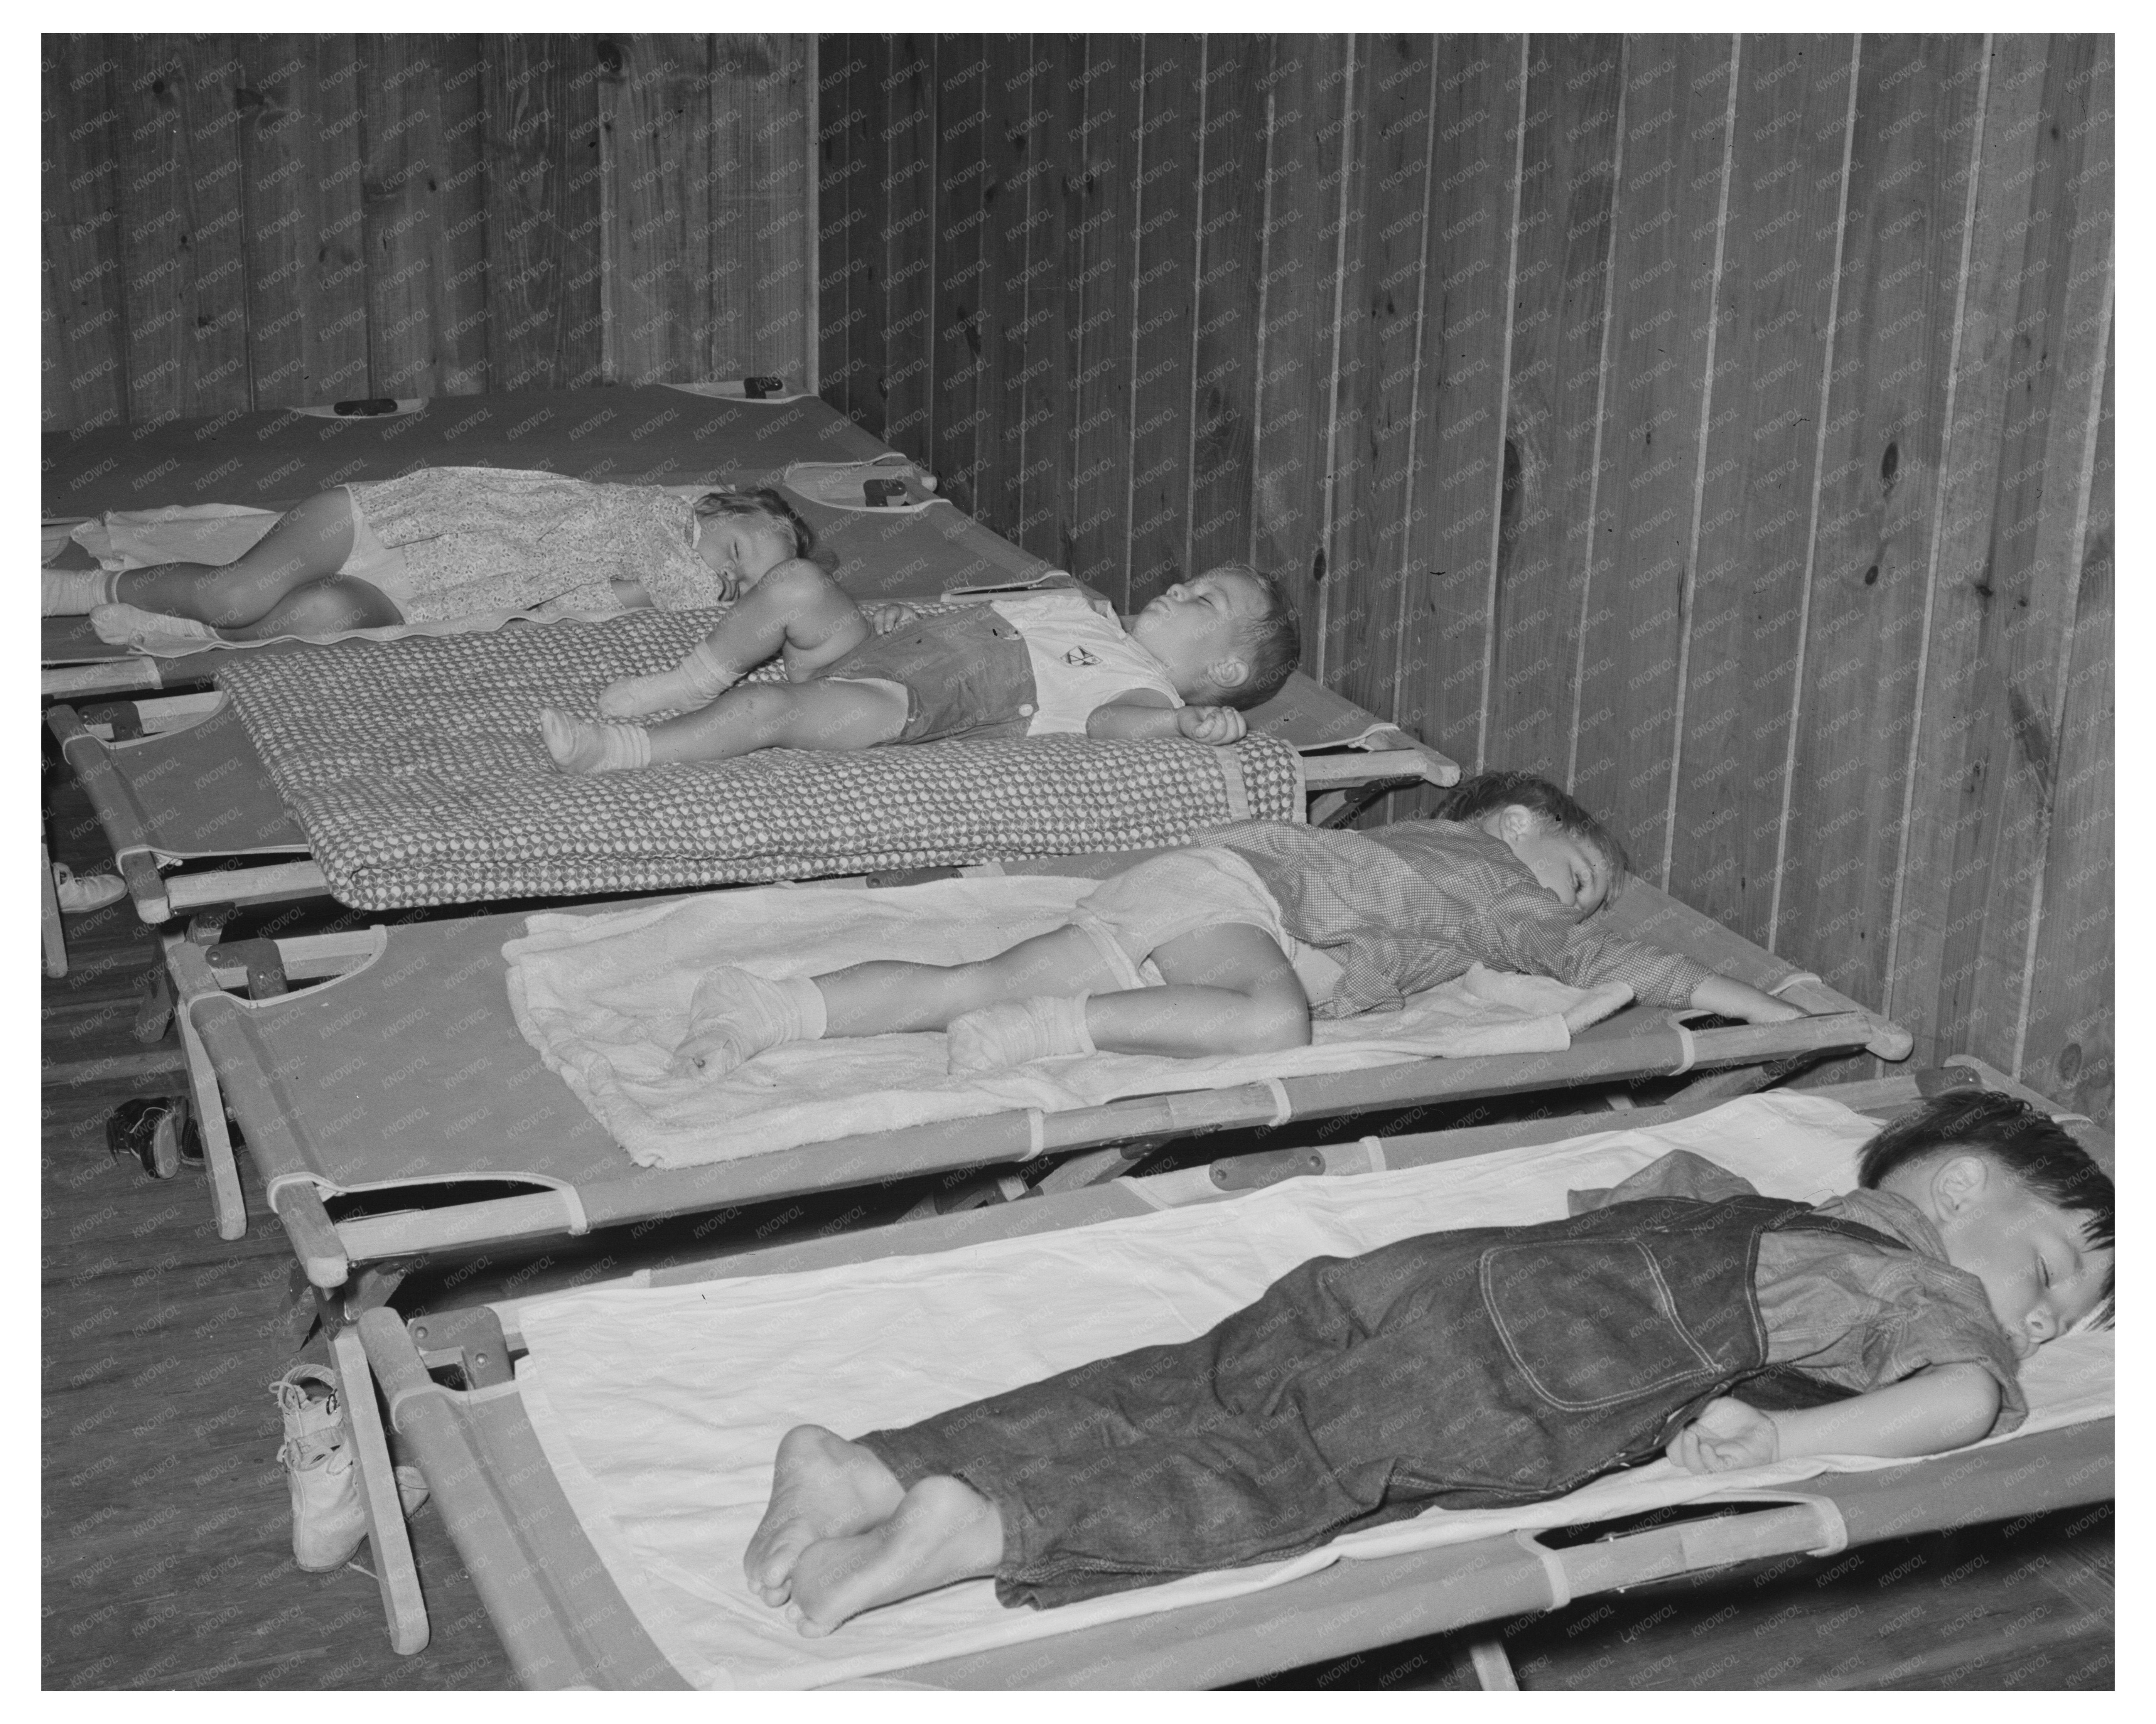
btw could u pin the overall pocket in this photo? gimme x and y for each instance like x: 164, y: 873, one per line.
x: 1589, y: 1323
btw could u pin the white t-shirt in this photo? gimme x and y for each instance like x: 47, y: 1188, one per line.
x: 1082, y: 659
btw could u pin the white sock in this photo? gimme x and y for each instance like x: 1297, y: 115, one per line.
x: 1012, y: 1032
x: 76, y: 593
x: 580, y: 747
x: 735, y: 1014
x: 696, y: 681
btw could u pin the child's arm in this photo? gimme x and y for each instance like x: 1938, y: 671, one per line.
x: 1727, y: 997
x: 1939, y: 1407
x: 1137, y: 716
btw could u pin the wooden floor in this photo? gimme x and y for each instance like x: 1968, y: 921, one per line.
x: 166, y: 1530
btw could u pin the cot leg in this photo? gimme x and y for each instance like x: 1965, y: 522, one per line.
x: 48, y: 918
x: 395, y: 1572
x: 1493, y: 1671
x: 1094, y: 1168
x: 227, y: 1203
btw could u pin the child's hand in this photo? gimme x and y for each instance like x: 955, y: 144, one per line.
x: 1727, y: 997
x: 1727, y: 1435
x: 884, y: 617
x: 1218, y: 725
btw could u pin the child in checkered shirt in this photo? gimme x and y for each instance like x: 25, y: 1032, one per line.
x: 1232, y: 946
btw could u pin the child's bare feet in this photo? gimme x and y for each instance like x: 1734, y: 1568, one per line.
x: 942, y: 1531
x: 581, y: 747
x: 821, y: 1486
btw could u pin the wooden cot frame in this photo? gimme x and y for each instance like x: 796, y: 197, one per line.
x: 571, y: 1629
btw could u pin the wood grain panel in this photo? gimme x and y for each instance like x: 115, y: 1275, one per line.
x: 1225, y: 348
x: 1748, y: 601
x: 182, y: 217
x: 543, y: 211
x: 1107, y: 153
x: 1169, y: 107
x: 83, y: 346
x: 1314, y: 270
x: 868, y: 86
x: 657, y: 140
x: 299, y: 106
x: 1669, y: 220
x: 760, y: 105
x: 842, y: 177
x: 1879, y: 492
x: 2005, y: 609
x: 1467, y: 312
x: 1560, y: 284
x: 1379, y: 457
x: 1047, y: 380
x: 2067, y: 1048
x: 1006, y: 141
x: 913, y: 242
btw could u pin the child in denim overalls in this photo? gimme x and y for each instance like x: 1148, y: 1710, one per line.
x: 1679, y: 1313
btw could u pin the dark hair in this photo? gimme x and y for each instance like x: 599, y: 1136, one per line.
x: 2031, y: 1147
x: 765, y: 502
x: 1270, y: 644
x: 1485, y: 793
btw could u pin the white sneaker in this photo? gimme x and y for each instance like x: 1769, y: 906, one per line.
x: 77, y: 893
x: 328, y: 1518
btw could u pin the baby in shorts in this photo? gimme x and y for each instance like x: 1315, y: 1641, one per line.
x: 1233, y: 945
x: 1026, y: 664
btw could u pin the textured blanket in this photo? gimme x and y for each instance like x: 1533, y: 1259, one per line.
x: 416, y: 770
x: 605, y: 1000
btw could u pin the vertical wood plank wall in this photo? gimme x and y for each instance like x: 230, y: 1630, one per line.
x: 1719, y: 425
x: 239, y: 221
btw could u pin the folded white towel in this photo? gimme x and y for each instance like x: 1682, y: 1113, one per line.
x: 605, y: 999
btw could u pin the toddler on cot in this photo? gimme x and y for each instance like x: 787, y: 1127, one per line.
x: 1054, y: 661
x: 1678, y: 1313
x: 1232, y: 946
x: 444, y: 542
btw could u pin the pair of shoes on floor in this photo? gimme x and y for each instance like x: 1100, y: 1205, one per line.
x: 80, y: 892
x: 328, y: 1518
x: 159, y: 1132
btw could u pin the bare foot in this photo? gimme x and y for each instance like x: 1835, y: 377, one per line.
x: 821, y: 1486
x: 942, y: 1531
x: 581, y: 747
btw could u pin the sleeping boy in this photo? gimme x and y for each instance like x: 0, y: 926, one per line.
x: 1678, y: 1313
x: 1029, y: 664
x: 1232, y: 946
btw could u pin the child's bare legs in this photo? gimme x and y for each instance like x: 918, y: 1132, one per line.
x: 840, y: 1534
x: 747, y: 717
x: 306, y: 545
x: 796, y: 609
x: 1229, y: 990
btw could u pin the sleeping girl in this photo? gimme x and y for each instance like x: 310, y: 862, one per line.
x: 445, y: 542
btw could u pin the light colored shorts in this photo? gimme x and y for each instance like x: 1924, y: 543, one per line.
x: 381, y: 566
x: 1133, y: 914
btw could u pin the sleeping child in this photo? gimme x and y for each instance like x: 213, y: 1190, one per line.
x: 444, y: 542
x: 1678, y: 1313
x: 1231, y: 945
x: 1029, y: 664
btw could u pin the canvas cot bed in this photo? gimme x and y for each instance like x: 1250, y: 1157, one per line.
x: 600, y: 1567
x: 376, y: 743
x: 406, y: 1077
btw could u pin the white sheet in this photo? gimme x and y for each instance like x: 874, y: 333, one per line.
x: 605, y: 1000
x: 660, y: 1408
